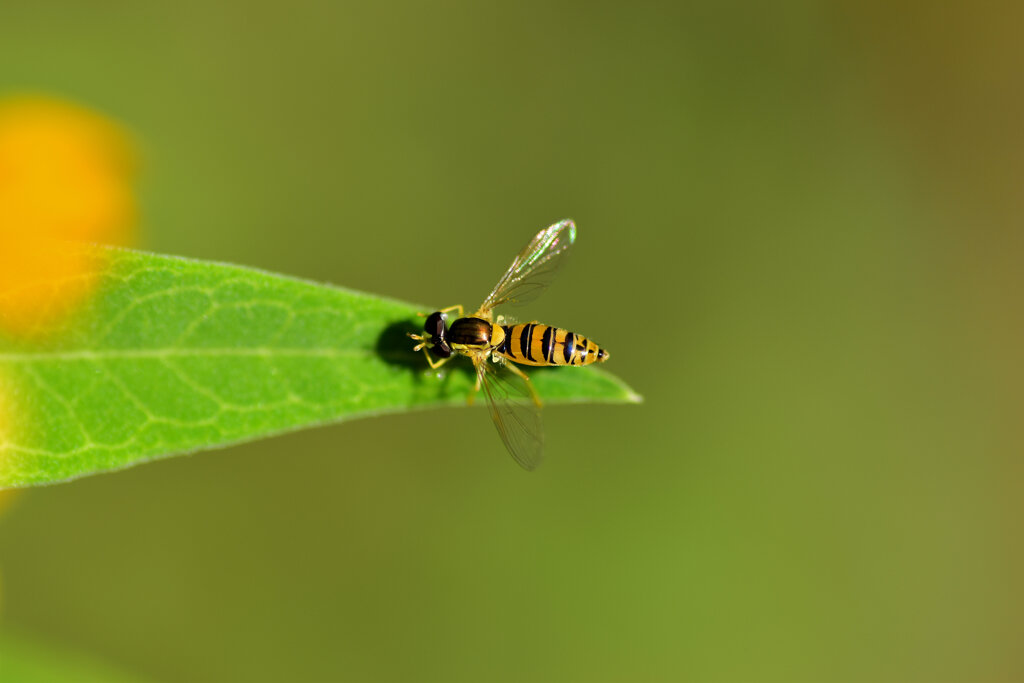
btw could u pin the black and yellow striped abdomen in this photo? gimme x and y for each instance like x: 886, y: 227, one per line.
x: 539, y: 344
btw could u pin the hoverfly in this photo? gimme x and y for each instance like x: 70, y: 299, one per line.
x: 511, y: 397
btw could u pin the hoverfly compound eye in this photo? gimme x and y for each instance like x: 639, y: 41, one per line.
x: 434, y: 328
x: 441, y: 349
x: 434, y: 325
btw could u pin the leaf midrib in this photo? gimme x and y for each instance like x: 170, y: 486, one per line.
x: 251, y: 352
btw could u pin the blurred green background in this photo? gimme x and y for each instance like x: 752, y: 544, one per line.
x: 800, y: 238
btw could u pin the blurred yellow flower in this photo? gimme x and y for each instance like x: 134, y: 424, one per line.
x: 66, y: 175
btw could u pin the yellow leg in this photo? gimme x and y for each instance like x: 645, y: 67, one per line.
x: 422, y: 346
x: 526, y: 378
x: 476, y: 388
x: 439, y: 363
x: 444, y: 310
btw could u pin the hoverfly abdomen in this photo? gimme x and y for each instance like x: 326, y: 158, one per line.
x: 539, y: 344
x: 470, y: 332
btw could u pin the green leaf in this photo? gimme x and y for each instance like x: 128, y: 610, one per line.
x: 28, y: 660
x: 171, y: 355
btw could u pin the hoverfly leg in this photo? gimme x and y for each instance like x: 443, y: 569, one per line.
x: 476, y: 387
x: 444, y: 310
x: 439, y: 363
x: 526, y: 378
x: 416, y: 337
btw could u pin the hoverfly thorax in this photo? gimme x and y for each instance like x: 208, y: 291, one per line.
x: 475, y: 332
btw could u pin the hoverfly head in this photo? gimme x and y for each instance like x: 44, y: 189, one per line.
x: 434, y: 337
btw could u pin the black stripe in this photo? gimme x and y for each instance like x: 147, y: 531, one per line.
x: 503, y: 347
x: 524, y: 341
x: 547, y: 344
x: 570, y: 345
x: 583, y: 350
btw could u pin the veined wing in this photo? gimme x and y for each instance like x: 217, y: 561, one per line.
x: 514, y: 413
x: 534, y: 267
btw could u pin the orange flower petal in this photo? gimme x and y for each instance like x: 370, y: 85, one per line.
x: 66, y: 174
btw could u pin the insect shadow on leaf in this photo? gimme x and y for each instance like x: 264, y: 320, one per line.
x: 393, y: 344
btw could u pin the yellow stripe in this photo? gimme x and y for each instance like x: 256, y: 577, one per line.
x: 537, y: 344
x: 560, y: 348
x: 588, y: 346
x: 577, y: 353
x: 513, y: 342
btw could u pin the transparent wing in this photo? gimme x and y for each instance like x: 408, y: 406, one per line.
x: 534, y: 267
x: 514, y: 413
